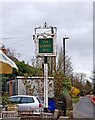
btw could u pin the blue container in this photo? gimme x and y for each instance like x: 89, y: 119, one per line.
x: 51, y: 104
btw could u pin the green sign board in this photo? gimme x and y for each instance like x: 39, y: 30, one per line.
x: 46, y: 45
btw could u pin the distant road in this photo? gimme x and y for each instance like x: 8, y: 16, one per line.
x: 84, y: 109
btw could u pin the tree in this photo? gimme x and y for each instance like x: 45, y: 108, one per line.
x: 58, y: 84
x: 12, y: 53
x: 94, y: 81
x: 74, y: 92
x: 60, y: 65
x: 28, y: 87
x: 68, y: 64
x: 80, y: 81
x: 78, y: 84
x: 81, y: 77
x: 94, y: 88
x: 27, y: 69
x: 87, y: 87
x: 61, y: 83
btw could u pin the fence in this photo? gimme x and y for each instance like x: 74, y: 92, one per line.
x: 29, y: 115
x: 26, y: 115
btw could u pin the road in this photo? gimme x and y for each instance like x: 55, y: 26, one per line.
x: 84, y: 108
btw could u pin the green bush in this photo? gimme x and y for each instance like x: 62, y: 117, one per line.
x: 5, y: 98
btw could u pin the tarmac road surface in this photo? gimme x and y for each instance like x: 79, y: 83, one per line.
x: 84, y: 108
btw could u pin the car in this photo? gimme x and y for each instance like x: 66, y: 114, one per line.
x: 1, y: 107
x: 25, y: 103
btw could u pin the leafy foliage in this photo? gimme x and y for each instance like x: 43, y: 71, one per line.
x: 5, y: 99
x: 74, y: 92
x: 29, y: 89
x: 87, y: 87
x: 94, y: 88
x: 27, y: 69
x: 61, y: 83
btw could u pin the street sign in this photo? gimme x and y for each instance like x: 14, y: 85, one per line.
x: 46, y: 45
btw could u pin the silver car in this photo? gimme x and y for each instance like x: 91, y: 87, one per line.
x: 26, y: 103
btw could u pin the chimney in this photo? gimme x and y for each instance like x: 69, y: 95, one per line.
x: 3, y: 49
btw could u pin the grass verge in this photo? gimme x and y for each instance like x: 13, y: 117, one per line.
x: 75, y: 100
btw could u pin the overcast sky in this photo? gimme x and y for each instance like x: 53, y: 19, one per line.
x: 74, y: 19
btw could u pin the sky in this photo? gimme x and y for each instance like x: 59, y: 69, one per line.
x: 75, y: 19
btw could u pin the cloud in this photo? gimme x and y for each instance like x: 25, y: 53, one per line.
x: 74, y: 19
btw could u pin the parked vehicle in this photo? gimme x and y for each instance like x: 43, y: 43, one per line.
x: 1, y: 107
x: 25, y: 103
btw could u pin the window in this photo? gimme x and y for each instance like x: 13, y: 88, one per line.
x: 15, y: 99
x: 40, y: 99
x: 14, y: 89
x: 27, y: 100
